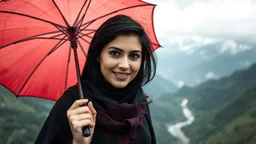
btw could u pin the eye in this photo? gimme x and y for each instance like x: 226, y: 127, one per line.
x: 134, y: 56
x: 114, y: 53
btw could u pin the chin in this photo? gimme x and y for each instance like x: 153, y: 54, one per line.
x: 120, y: 84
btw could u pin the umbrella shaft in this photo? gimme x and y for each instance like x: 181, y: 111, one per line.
x: 78, y: 72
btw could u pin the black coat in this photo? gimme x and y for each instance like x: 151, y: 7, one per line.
x: 56, y: 128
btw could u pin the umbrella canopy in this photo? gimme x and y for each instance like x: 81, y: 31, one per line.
x: 36, y: 58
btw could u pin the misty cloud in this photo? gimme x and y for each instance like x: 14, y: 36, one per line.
x: 180, y: 84
x: 209, y: 21
x: 211, y: 75
x: 245, y: 63
x: 204, y: 55
x: 232, y: 47
x: 198, y: 81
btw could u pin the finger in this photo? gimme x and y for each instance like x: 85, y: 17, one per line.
x: 78, y: 103
x: 81, y: 117
x: 93, y: 111
x: 78, y: 125
x: 80, y: 110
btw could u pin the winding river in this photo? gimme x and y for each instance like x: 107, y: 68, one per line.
x: 175, y: 129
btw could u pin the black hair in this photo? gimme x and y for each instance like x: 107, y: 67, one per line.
x: 108, y: 31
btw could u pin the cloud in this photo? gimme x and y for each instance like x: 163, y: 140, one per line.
x: 232, y: 47
x: 180, y: 84
x: 198, y: 81
x: 186, y: 44
x: 204, y: 55
x: 211, y: 75
x: 245, y: 63
x: 208, y: 21
x: 165, y: 72
x: 212, y: 18
x: 189, y: 44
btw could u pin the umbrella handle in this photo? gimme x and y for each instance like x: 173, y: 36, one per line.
x: 86, y: 129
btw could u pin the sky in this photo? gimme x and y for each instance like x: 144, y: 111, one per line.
x: 189, y: 27
x: 191, y: 24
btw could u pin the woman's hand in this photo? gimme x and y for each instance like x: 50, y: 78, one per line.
x: 80, y: 116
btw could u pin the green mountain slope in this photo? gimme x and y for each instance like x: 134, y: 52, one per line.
x: 240, y: 131
x: 212, y: 94
x: 235, y: 120
x: 163, y: 114
x: 22, y: 118
x: 214, y: 104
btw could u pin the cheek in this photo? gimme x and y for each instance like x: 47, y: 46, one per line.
x: 106, y: 66
x: 136, y: 67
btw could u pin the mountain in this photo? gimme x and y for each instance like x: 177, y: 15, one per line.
x: 159, y: 86
x: 216, y: 105
x: 235, y: 122
x: 203, y: 64
x: 220, y: 66
x: 21, y: 118
x: 211, y: 94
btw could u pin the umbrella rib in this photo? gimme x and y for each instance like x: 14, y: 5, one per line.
x: 85, y: 40
x: 28, y: 38
x: 46, y: 38
x: 94, y: 30
x: 87, y: 35
x: 61, y: 13
x: 54, y: 49
x: 57, y: 35
x: 50, y: 52
x: 82, y: 19
x: 63, y: 30
x: 82, y: 35
x: 85, y: 25
x: 29, y: 16
x: 53, y: 37
x: 66, y: 80
x: 82, y: 48
x: 81, y: 12
x: 90, y: 22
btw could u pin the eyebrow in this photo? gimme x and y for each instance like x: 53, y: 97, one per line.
x: 118, y: 49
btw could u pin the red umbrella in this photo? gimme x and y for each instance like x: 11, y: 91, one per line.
x: 40, y: 41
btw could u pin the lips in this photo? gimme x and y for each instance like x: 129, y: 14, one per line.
x: 121, y: 76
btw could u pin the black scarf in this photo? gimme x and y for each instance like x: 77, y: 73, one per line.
x: 118, y: 110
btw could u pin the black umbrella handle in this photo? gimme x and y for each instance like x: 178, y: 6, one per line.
x: 86, y: 129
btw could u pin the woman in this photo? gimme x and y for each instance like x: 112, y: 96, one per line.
x: 120, y: 60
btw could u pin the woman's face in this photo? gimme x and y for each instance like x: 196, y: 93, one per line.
x: 120, y: 60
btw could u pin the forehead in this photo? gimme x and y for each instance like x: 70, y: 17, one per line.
x: 126, y: 42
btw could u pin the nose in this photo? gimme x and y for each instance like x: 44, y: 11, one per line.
x: 124, y: 63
